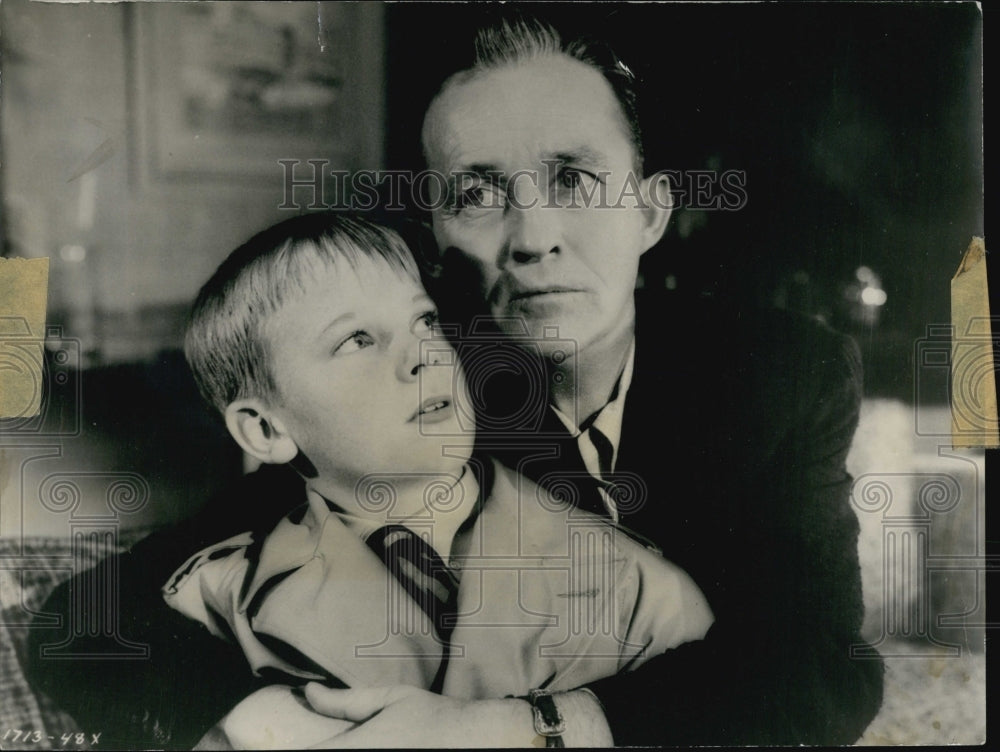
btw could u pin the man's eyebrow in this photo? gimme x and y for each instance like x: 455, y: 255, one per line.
x: 483, y: 170
x: 579, y: 155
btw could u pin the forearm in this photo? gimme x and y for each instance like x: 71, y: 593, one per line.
x: 585, y: 722
x: 408, y: 716
x: 723, y: 691
x: 582, y: 715
x: 510, y: 722
x: 776, y: 667
x: 188, y: 680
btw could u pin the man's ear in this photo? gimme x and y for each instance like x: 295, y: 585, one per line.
x: 259, y: 432
x: 658, y: 205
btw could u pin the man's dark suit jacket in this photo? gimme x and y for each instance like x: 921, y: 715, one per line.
x: 737, y: 423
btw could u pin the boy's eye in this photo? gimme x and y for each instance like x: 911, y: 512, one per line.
x: 356, y: 341
x: 427, y: 323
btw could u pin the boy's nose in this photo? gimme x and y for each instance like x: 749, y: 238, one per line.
x: 422, y: 352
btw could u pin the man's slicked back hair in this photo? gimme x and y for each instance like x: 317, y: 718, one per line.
x: 225, y: 344
x: 516, y: 36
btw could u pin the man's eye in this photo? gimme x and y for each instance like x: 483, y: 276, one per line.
x: 356, y: 341
x: 572, y: 178
x: 482, y: 196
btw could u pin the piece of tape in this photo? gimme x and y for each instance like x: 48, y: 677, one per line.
x: 23, y: 296
x: 973, y: 368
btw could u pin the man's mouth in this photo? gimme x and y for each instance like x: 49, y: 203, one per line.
x: 525, y: 293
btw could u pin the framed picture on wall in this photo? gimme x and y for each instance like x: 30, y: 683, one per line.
x: 225, y: 90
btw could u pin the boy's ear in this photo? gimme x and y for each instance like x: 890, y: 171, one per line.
x: 659, y: 204
x: 259, y: 432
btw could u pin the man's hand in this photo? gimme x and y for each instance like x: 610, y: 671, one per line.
x: 403, y: 716
x: 275, y: 717
x: 411, y: 717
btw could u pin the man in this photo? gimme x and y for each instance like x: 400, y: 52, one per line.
x: 730, y: 430
x: 737, y: 427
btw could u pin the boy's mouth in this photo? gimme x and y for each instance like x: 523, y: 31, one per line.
x: 432, y: 406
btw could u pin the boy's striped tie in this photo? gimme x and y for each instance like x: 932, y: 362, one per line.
x: 421, y: 572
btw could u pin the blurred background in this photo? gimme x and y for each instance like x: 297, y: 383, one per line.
x: 140, y: 144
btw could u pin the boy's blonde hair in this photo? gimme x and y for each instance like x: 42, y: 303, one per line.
x: 225, y: 344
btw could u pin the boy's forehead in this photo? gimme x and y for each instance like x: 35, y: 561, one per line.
x: 345, y: 272
x: 330, y: 296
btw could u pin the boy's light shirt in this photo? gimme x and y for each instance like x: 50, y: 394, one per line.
x: 534, y: 567
x: 609, y: 423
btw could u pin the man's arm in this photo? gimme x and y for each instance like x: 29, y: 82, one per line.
x: 191, y: 678
x: 404, y: 716
x: 189, y: 681
x: 776, y: 667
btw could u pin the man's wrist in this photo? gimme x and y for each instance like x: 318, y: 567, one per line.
x: 583, y: 717
x: 586, y: 725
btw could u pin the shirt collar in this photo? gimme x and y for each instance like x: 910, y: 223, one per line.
x: 608, y: 419
x: 465, y: 488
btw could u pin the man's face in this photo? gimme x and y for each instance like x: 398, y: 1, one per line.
x: 545, y: 205
x: 355, y: 390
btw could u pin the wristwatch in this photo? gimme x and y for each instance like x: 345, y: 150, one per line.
x: 548, y: 721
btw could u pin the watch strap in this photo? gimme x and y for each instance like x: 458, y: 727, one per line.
x: 549, y: 723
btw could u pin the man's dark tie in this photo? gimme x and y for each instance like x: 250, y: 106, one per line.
x: 421, y: 572
x: 607, y: 493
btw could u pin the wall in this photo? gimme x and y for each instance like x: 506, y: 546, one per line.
x: 130, y: 240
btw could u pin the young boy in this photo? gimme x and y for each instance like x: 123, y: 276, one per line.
x: 411, y: 560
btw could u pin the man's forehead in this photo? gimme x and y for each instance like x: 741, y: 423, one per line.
x: 526, y: 112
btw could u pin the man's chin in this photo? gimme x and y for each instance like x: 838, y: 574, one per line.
x: 549, y: 337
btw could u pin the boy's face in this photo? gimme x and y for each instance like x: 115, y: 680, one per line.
x: 355, y: 392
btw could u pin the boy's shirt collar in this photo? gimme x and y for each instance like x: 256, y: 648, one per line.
x: 439, y: 534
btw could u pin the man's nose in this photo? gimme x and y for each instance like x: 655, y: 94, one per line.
x: 533, y: 227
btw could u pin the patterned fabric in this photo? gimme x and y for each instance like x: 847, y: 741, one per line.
x: 29, y: 570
